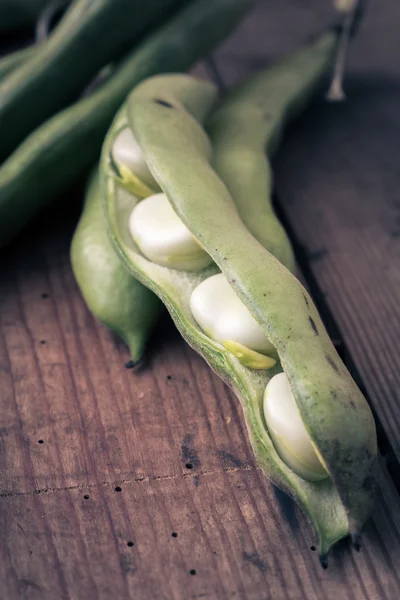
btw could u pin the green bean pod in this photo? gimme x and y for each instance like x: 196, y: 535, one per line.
x: 248, y: 123
x: 54, y: 155
x: 90, y: 34
x: 116, y: 298
x: 11, y: 61
x: 165, y: 116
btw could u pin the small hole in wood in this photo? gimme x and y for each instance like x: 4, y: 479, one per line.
x: 42, y: 341
x: 118, y: 489
x: 313, y: 548
x: 44, y: 295
x: 174, y: 534
x: 130, y: 544
x: 189, y: 466
x: 169, y: 377
x: 192, y: 571
x: 86, y: 496
x: 40, y: 441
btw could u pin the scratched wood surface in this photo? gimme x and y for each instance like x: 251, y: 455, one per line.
x: 142, y: 485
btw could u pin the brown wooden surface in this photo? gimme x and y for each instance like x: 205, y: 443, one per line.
x: 94, y: 456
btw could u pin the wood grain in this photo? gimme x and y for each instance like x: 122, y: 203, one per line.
x: 127, y: 484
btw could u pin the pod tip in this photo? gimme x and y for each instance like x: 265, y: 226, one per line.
x: 323, y: 559
x: 136, y: 366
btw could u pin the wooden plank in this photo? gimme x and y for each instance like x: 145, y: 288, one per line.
x: 65, y: 524
x: 113, y: 467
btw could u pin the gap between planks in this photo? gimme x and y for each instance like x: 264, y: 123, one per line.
x: 119, y: 482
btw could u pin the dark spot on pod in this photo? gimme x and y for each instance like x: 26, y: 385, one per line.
x: 313, y: 548
x: 192, y: 571
x: 130, y: 364
x: 44, y: 295
x: 174, y: 534
x: 332, y: 363
x: 305, y: 299
x: 163, y: 103
x: 313, y: 325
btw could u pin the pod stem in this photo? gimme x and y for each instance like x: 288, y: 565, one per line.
x: 351, y: 20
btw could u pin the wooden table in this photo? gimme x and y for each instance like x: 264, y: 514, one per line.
x: 117, y: 484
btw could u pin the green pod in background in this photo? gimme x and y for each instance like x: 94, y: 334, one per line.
x: 248, y: 123
x: 91, y: 34
x: 165, y: 116
x: 115, y: 297
x: 11, y: 61
x: 56, y: 153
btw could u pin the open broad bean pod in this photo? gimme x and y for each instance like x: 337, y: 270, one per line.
x: 332, y: 479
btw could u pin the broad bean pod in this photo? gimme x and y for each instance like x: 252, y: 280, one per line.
x: 116, y: 298
x: 11, y: 61
x: 165, y: 115
x: 55, y: 154
x: 90, y: 34
x: 248, y: 123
